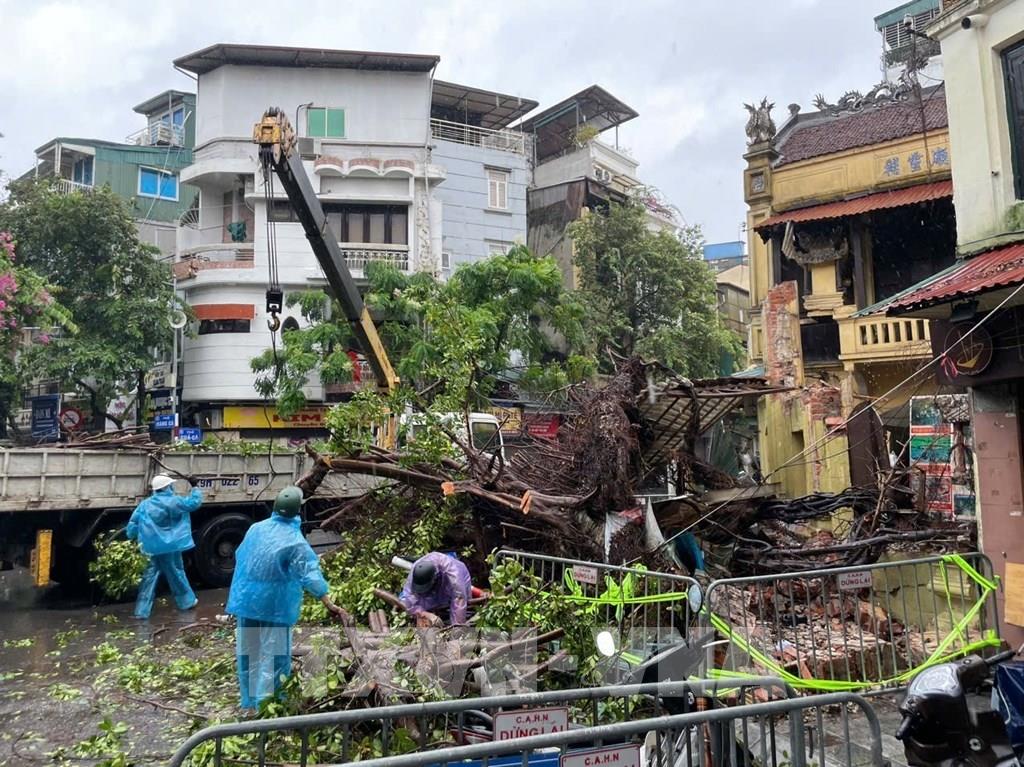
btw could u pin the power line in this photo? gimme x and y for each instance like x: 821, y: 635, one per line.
x: 843, y: 425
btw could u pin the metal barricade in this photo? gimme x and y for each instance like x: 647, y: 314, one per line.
x: 857, y: 629
x: 344, y: 736
x: 648, y: 607
x: 837, y: 729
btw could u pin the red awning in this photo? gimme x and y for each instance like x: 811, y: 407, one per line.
x: 999, y: 268
x: 895, y: 198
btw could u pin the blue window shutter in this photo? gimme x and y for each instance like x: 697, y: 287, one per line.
x: 148, y: 182
x: 168, y: 186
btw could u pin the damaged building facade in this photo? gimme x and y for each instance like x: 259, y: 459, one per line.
x: 848, y: 205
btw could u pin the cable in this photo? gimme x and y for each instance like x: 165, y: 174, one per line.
x: 843, y: 425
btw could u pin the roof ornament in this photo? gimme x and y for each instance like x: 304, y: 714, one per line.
x: 760, y: 126
x: 853, y: 101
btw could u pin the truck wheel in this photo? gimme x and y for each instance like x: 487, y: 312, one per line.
x: 214, y: 554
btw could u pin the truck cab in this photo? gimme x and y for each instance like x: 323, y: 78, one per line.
x: 484, y: 430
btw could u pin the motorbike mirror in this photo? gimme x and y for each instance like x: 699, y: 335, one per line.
x: 694, y: 598
x: 606, y: 644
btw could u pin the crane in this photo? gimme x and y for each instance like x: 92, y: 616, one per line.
x: 276, y: 139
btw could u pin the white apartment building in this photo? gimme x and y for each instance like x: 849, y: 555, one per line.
x: 412, y: 172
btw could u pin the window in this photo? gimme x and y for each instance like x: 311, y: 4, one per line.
x: 178, y: 116
x: 497, y: 189
x: 325, y: 122
x: 158, y: 183
x: 1013, y: 72
x: 81, y: 171
x: 446, y: 259
x: 371, y: 224
x: 210, y: 327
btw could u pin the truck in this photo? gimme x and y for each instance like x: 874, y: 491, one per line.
x: 56, y: 502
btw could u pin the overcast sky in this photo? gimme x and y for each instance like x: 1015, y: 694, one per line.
x: 77, y: 68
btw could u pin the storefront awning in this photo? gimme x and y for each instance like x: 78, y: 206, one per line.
x: 995, y: 270
x: 895, y: 198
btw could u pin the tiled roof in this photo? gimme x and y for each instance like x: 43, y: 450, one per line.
x: 813, y: 135
x: 893, y: 198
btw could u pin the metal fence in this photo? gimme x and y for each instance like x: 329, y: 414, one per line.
x: 823, y: 730
x: 343, y: 736
x: 649, y: 609
x: 853, y: 628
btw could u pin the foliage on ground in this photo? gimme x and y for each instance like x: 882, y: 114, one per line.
x: 118, y: 566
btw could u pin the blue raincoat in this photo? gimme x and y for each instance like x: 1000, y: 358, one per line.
x: 163, y: 527
x: 273, y: 566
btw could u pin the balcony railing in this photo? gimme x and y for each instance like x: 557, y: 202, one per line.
x: 228, y: 255
x: 357, y: 256
x: 884, y: 338
x: 158, y: 134
x: 67, y: 186
x: 471, y: 135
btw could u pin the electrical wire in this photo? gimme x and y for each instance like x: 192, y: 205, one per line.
x: 935, y: 360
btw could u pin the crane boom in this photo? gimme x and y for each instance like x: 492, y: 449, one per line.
x: 276, y: 139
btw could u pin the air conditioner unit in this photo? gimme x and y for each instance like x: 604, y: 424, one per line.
x: 308, y: 147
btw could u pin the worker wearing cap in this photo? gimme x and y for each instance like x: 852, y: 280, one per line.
x: 273, y: 566
x: 162, y: 525
x: 437, y: 580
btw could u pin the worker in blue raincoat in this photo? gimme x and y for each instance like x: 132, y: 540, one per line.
x: 273, y: 566
x: 162, y: 525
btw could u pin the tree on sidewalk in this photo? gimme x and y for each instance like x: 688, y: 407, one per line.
x: 26, y: 302
x: 649, y: 293
x: 447, y: 340
x: 118, y: 294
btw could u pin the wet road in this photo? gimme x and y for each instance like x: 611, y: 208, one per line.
x: 56, y: 653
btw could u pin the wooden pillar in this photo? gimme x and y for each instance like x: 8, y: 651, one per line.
x: 860, y: 295
x: 776, y: 256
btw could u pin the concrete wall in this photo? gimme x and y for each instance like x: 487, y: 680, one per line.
x: 469, y: 227
x: 389, y: 107
x: 976, y: 100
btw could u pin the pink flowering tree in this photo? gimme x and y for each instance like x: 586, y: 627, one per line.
x: 26, y: 304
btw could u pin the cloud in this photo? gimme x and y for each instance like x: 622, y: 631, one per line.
x: 77, y: 68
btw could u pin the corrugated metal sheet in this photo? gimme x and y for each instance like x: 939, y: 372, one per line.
x: 999, y: 268
x: 895, y: 198
x: 670, y: 417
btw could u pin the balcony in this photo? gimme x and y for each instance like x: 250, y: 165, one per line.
x: 879, y: 338
x: 471, y: 135
x: 159, y: 133
x: 362, y: 380
x: 358, y: 255
x: 228, y: 255
x: 67, y: 186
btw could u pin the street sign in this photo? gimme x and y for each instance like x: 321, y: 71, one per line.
x: 46, y: 417
x: 626, y: 755
x: 190, y: 434
x: 71, y: 418
x: 530, y: 721
x: 854, y: 581
x: 165, y: 422
x: 585, y: 574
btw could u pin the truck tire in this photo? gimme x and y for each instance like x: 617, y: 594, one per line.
x: 216, y: 541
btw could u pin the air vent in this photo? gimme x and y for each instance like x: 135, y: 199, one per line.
x: 308, y: 147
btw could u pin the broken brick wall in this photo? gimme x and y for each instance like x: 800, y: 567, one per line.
x: 793, y: 424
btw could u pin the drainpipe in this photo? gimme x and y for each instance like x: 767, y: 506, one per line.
x: 434, y: 267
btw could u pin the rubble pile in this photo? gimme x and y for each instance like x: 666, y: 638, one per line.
x: 814, y: 632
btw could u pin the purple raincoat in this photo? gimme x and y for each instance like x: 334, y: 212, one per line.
x: 451, y: 589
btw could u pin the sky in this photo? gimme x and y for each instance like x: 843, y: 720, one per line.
x: 78, y: 68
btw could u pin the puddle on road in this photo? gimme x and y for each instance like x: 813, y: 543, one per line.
x: 51, y: 647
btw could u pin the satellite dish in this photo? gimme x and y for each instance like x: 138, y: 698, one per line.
x: 178, y: 320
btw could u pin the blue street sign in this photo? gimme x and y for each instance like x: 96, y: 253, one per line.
x: 46, y: 417
x: 190, y: 434
x: 165, y: 422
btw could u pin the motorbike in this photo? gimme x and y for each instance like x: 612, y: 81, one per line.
x: 967, y: 713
